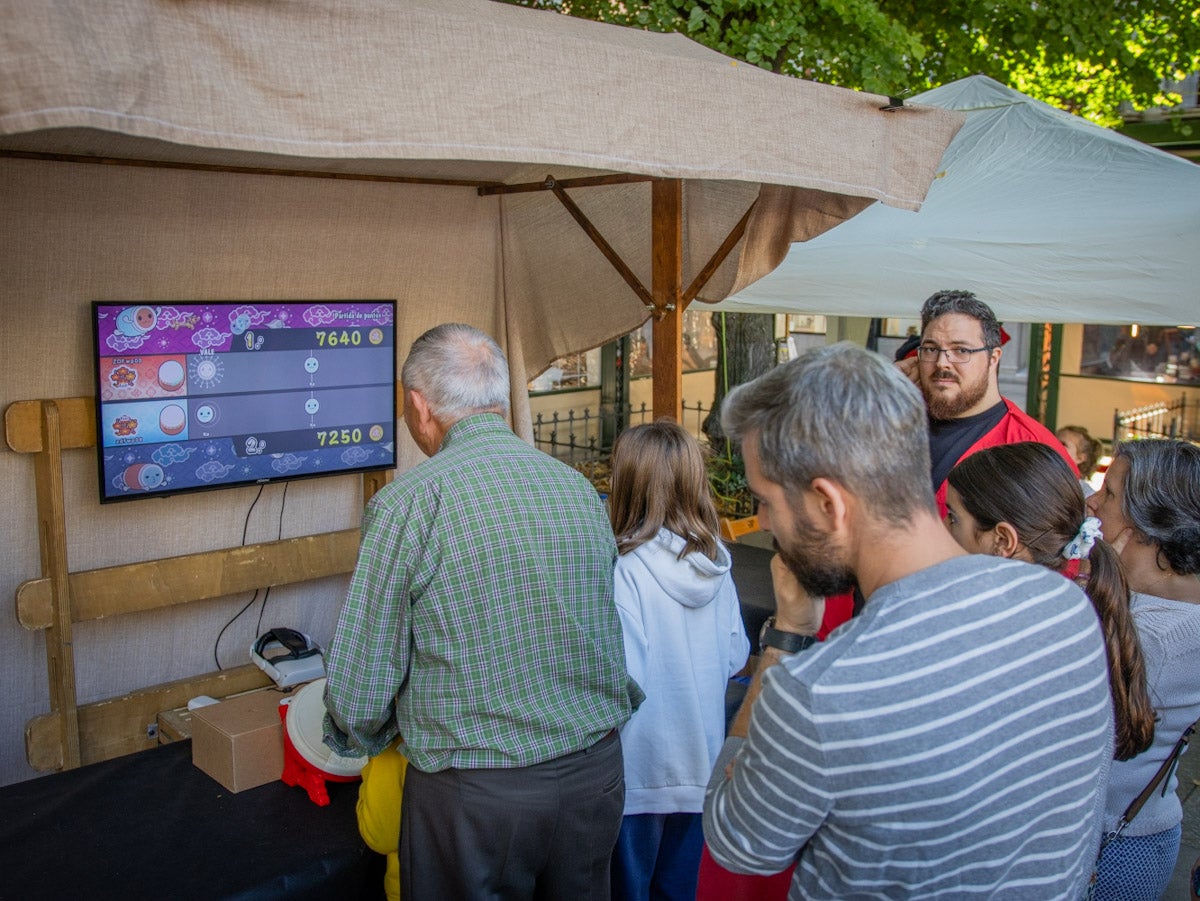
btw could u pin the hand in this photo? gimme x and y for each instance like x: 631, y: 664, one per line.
x: 795, y: 609
x: 910, y: 368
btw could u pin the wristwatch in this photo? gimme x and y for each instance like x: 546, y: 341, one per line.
x: 788, y: 642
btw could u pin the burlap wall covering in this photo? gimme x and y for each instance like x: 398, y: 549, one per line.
x: 70, y: 234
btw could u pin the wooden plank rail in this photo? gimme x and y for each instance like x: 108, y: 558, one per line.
x: 152, y: 584
x: 23, y: 424
x: 121, y: 725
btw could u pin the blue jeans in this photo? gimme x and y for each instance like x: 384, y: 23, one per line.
x: 657, y: 857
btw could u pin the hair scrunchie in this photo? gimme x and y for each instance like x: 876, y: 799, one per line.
x: 1081, y: 545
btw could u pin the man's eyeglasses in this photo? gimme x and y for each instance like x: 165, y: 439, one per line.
x: 929, y: 353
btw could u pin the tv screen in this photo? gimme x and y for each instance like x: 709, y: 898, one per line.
x: 192, y: 396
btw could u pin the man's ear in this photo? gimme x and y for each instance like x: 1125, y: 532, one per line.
x: 422, y: 425
x: 420, y: 407
x: 828, y: 501
x: 1005, y: 541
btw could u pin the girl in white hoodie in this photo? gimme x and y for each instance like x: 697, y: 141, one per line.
x: 684, y: 638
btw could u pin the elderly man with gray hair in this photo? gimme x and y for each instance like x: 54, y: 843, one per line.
x: 953, y: 740
x: 480, y: 628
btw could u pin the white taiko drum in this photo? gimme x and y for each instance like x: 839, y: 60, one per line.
x: 305, y: 722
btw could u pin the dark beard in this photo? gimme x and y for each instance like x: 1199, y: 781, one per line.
x: 809, y: 563
x: 945, y: 408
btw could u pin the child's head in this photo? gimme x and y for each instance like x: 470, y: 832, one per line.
x: 1027, y: 486
x: 659, y: 480
x: 1083, y: 448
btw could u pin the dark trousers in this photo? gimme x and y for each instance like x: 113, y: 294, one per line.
x: 538, y: 832
x: 657, y: 857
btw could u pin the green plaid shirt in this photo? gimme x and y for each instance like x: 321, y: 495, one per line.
x: 480, y: 621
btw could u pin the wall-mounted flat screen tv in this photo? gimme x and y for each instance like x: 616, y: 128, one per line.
x: 192, y: 396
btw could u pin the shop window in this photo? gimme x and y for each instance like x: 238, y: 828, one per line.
x: 1166, y: 354
x: 582, y: 370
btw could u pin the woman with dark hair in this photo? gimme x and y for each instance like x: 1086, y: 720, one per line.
x: 1021, y: 500
x: 1149, y: 507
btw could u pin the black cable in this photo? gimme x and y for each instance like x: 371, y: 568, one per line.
x: 245, y: 531
x: 246, y: 524
x: 278, y: 536
x: 217, y: 644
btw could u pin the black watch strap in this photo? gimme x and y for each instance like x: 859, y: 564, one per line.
x: 788, y: 642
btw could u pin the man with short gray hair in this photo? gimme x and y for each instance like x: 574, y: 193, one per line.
x: 953, y: 740
x: 480, y: 628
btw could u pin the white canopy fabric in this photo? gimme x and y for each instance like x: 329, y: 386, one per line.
x: 1045, y: 216
x: 482, y: 93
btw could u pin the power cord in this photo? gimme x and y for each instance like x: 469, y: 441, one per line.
x: 265, y: 592
x: 278, y: 535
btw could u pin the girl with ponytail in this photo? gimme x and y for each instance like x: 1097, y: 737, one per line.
x: 1021, y: 500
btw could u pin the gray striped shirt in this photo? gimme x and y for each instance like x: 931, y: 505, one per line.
x: 952, y: 741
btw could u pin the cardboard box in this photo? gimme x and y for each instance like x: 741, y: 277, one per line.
x: 239, y: 741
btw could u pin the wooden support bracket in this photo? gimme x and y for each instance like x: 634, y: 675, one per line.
x: 72, y: 734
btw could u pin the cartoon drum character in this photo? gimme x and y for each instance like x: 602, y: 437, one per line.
x: 143, y: 476
x: 133, y: 322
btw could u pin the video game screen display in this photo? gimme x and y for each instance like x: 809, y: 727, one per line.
x: 198, y: 395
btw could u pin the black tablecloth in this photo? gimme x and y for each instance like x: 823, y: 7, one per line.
x: 152, y: 825
x: 752, y: 576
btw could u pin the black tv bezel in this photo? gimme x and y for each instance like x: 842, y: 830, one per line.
x: 104, y: 490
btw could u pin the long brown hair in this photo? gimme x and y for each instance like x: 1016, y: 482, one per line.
x: 1030, y: 487
x: 659, y: 481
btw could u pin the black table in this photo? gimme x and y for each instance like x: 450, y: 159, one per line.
x: 752, y: 576
x: 152, y: 825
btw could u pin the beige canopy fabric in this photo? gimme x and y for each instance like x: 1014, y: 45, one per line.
x: 340, y: 149
x: 480, y: 92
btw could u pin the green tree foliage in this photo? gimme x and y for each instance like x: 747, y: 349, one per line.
x: 1078, y: 55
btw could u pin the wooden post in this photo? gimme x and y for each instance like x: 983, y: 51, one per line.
x: 53, y: 534
x: 666, y: 212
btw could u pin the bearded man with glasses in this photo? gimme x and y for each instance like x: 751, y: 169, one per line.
x: 957, y: 368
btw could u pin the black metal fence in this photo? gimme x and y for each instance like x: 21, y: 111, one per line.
x: 586, y: 435
x: 1159, y: 420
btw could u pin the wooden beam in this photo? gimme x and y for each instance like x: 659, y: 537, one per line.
x: 605, y: 248
x: 169, y: 581
x: 242, y: 170
x: 60, y: 658
x: 120, y: 725
x: 77, y: 424
x: 666, y: 210
x: 718, y: 257
x: 549, y: 183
